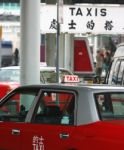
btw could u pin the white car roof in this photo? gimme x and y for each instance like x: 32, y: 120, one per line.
x: 41, y: 67
x: 92, y: 87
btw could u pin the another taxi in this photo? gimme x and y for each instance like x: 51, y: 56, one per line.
x: 69, y: 116
x: 10, y: 77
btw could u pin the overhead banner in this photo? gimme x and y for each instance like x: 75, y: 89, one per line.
x: 95, y: 19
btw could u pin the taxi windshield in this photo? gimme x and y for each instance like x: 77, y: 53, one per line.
x: 110, y: 105
x: 49, y: 76
x: 11, y: 75
x: 46, y: 76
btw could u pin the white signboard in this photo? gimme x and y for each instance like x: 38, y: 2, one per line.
x: 94, y: 19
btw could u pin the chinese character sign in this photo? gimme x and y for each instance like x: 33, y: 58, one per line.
x: 83, y: 19
x: 37, y: 143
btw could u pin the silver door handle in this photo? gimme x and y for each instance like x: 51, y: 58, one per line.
x: 15, y: 132
x: 64, y: 135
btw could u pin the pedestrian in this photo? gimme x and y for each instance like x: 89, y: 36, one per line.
x: 16, y: 57
x: 107, y: 60
x: 99, y: 64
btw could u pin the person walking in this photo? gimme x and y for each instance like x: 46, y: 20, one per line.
x: 16, y: 57
x: 107, y: 61
x: 99, y: 64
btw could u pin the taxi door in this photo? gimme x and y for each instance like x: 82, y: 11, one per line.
x: 13, y: 117
x: 47, y: 137
x: 52, y: 124
x: 10, y: 138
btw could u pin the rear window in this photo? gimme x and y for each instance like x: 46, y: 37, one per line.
x: 110, y: 106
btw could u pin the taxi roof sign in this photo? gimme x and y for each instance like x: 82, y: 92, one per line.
x: 71, y: 78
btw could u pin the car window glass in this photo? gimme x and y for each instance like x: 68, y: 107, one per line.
x: 12, y: 75
x: 120, y: 73
x: 17, y: 107
x: 55, y: 108
x: 50, y: 75
x: 110, y: 105
x: 107, y: 77
x: 119, y: 51
x: 46, y: 76
x: 115, y: 73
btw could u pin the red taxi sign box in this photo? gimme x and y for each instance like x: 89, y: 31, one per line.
x: 70, y: 78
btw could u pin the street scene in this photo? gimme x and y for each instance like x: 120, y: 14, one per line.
x: 61, y: 74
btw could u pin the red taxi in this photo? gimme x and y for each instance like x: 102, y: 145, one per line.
x: 70, y: 116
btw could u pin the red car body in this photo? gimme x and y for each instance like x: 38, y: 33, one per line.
x: 93, y: 127
x: 6, y: 87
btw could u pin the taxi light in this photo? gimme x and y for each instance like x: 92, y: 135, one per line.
x: 71, y: 78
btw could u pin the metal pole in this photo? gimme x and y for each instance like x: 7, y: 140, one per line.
x: 57, y: 44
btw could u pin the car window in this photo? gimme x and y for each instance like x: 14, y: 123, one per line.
x: 110, y: 105
x: 108, y: 75
x: 12, y: 75
x: 119, y: 51
x: 49, y: 76
x: 55, y: 108
x: 115, y: 72
x: 46, y: 76
x: 16, y: 107
x: 120, y: 73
